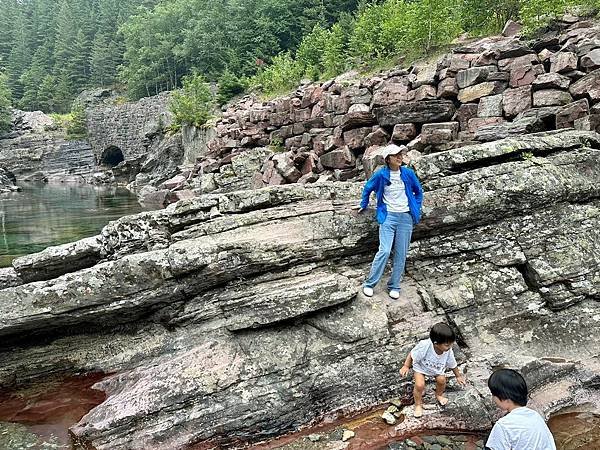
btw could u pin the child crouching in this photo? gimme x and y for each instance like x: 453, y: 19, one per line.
x: 431, y: 357
x: 522, y: 428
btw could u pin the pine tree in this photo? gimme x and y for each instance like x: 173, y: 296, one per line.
x: 6, y: 30
x: 5, y: 105
x: 18, y: 58
x: 78, y: 67
x: 46, y: 92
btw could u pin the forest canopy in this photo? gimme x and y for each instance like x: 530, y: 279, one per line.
x: 51, y: 50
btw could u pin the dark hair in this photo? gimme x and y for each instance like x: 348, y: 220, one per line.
x: 441, y: 334
x: 508, y: 384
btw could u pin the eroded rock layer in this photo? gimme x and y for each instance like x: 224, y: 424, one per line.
x: 235, y: 317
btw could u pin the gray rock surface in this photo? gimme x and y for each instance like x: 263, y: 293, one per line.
x: 234, y: 316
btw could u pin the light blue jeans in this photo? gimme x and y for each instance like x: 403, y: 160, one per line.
x: 395, y: 232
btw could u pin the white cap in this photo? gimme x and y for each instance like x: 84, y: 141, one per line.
x: 393, y: 149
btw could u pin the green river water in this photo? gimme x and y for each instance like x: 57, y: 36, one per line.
x: 42, y: 215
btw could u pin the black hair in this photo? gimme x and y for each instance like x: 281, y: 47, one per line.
x: 508, y: 384
x: 441, y: 333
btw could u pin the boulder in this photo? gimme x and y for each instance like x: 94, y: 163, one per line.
x: 477, y: 91
x: 563, y: 62
x: 464, y: 113
x: 551, y: 80
x: 438, y: 133
x: 378, y: 137
x: 588, y: 86
x: 568, y: 114
x: 588, y: 123
x: 355, y: 138
x: 391, y: 91
x: 551, y: 97
x: 473, y: 75
x: 490, y: 106
x: 415, y: 112
x: 515, y: 101
x: 341, y: 158
x: 357, y: 119
x: 284, y: 164
x: 58, y: 260
x: 447, y: 88
x: 404, y: 132
x: 591, y: 60
x: 511, y: 28
x: 524, y: 75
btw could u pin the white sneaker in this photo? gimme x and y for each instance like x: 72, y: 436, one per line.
x: 394, y: 294
x: 368, y: 291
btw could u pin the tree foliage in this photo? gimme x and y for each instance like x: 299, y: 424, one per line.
x: 74, y: 43
x: 194, y: 103
x: 50, y: 50
x: 387, y: 30
x: 5, y: 105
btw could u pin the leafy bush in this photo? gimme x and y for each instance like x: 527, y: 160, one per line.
x: 5, y: 105
x: 194, y: 103
x: 282, y: 75
x: 76, y: 127
x: 229, y: 87
x: 310, y: 51
x: 481, y: 17
x: 334, y: 54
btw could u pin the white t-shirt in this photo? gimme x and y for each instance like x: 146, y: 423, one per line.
x: 428, y: 362
x: 521, y: 429
x: 394, y: 195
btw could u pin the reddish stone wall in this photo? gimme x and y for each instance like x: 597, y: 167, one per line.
x: 481, y: 91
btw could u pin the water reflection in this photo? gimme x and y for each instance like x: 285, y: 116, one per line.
x: 42, y: 215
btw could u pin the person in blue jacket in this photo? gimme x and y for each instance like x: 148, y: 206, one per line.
x: 399, y: 197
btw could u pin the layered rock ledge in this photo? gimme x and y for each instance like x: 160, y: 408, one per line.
x: 234, y: 317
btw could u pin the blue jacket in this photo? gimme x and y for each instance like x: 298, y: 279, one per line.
x: 380, y: 179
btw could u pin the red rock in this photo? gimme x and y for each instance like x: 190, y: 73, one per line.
x: 566, y: 116
x: 378, y: 137
x: 404, y: 132
x: 511, y: 29
x: 438, y: 133
x: 563, y: 62
x: 341, y: 158
x: 464, y: 113
x: 447, y: 88
x: 515, y: 101
x: 588, y: 86
x: 524, y: 75
x: 391, y: 92
x: 354, y: 139
x: 477, y: 122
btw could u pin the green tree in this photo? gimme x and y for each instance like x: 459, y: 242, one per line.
x: 194, y: 103
x: 334, y: 55
x: 77, y: 126
x: 229, y: 86
x: 488, y: 16
x: 5, y: 105
x: 46, y: 93
x: 18, y: 58
x: 310, y: 52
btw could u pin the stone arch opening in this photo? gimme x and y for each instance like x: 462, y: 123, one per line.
x: 111, y: 156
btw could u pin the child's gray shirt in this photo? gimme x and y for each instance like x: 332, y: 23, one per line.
x: 428, y: 362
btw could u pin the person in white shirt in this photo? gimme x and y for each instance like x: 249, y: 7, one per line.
x: 522, y: 428
x: 431, y: 357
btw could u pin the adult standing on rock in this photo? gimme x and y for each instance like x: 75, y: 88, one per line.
x: 399, y: 198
